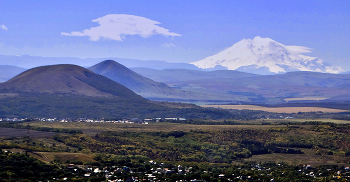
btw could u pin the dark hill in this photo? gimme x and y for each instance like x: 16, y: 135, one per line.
x: 138, y: 83
x: 66, y: 79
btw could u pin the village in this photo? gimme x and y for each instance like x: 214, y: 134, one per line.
x: 102, y: 120
x: 159, y: 171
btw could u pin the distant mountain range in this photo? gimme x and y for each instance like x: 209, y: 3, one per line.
x: 25, y: 61
x: 7, y: 72
x: 238, y: 86
x: 266, y: 56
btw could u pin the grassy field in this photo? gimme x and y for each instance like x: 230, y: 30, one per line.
x: 11, y: 132
x: 64, y: 156
x: 305, y: 99
x: 58, y: 156
x: 277, y: 109
x: 278, y: 121
x: 93, y: 128
x: 296, y: 159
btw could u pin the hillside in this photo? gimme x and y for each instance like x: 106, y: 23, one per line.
x: 66, y: 79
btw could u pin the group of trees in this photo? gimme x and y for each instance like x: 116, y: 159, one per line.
x: 22, y: 125
x: 19, y: 167
x: 207, y: 146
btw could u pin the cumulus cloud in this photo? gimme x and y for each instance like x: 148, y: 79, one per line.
x: 116, y: 26
x: 3, y: 27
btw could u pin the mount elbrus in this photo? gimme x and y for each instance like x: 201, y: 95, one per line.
x: 266, y: 56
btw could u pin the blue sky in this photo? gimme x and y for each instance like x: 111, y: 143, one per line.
x: 186, y: 31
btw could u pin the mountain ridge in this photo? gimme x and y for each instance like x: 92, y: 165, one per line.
x: 139, y: 84
x: 235, y: 86
x: 144, y: 86
x: 26, y: 61
x: 8, y: 71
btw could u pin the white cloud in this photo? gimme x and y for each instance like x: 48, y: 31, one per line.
x: 168, y: 45
x: 116, y: 26
x: 3, y: 27
x: 299, y: 49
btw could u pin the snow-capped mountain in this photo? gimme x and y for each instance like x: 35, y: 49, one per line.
x: 264, y: 55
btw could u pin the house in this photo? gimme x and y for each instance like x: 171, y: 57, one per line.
x: 170, y: 119
x: 97, y: 170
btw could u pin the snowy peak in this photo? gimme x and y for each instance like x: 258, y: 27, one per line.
x: 252, y: 55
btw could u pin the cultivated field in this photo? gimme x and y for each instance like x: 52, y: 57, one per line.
x: 309, y: 157
x: 11, y: 132
x: 64, y: 156
x: 93, y: 128
x: 305, y: 98
x: 277, y: 109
